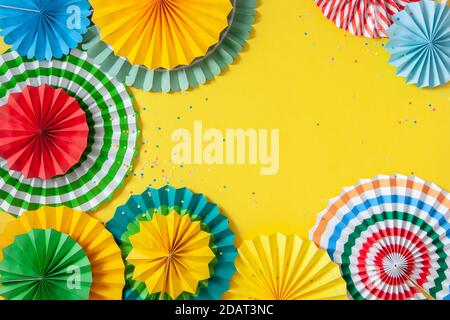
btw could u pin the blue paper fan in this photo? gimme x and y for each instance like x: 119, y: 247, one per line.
x: 43, y: 29
x: 420, y: 43
x: 183, y: 201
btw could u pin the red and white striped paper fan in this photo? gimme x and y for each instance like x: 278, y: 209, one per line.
x: 368, y: 18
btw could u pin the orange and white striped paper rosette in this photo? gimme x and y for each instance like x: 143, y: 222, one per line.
x: 368, y: 18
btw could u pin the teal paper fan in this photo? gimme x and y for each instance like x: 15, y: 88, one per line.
x: 45, y: 265
x: 420, y: 43
x: 164, y: 201
x: 199, y: 72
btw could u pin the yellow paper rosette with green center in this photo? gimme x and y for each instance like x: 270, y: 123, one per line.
x: 161, y: 33
x: 97, y: 243
x: 45, y: 265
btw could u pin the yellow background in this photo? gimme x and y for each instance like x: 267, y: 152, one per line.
x: 343, y: 115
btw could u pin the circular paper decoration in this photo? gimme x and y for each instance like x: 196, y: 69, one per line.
x: 161, y: 33
x: 166, y: 202
x: 103, y: 253
x: 420, y: 43
x: 203, y: 69
x: 280, y: 267
x: 43, y: 132
x: 170, y: 253
x: 365, y: 18
x: 390, y: 235
x: 45, y: 265
x: 43, y: 29
x: 112, y: 134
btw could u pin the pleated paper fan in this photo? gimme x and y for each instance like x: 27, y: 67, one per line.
x: 43, y: 29
x: 43, y: 132
x: 420, y: 43
x: 390, y: 235
x: 45, y: 265
x: 112, y: 139
x: 189, y: 264
x: 203, y: 69
x: 281, y: 267
x: 165, y: 201
x: 370, y: 18
x: 161, y: 33
x: 102, y: 251
x: 171, y: 254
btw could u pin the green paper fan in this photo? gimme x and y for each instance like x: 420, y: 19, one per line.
x: 204, y: 69
x: 45, y: 265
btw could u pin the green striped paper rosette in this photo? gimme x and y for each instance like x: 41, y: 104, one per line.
x: 112, y: 140
x: 182, y: 78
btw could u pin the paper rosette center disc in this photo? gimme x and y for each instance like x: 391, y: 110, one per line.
x: 161, y: 33
x: 44, y: 132
x: 171, y: 254
x: 395, y: 265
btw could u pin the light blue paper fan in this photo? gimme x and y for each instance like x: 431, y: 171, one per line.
x: 183, y: 201
x: 420, y: 43
x: 43, y: 29
x: 183, y: 78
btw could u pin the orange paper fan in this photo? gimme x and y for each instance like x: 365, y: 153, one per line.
x: 161, y: 33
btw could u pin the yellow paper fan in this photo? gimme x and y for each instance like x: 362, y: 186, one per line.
x: 280, y: 267
x: 171, y: 254
x: 98, y: 244
x: 161, y: 33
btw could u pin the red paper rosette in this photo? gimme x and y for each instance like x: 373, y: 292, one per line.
x: 43, y: 132
x: 368, y: 18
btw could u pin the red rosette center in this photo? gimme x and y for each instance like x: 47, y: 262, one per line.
x: 395, y: 264
x: 43, y: 132
x: 398, y: 261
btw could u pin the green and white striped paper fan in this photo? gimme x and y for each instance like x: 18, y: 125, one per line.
x: 112, y: 139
